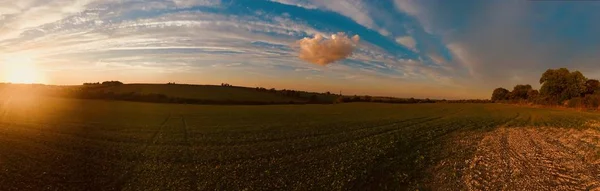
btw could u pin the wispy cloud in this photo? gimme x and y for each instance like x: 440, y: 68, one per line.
x: 468, y: 46
x: 407, y: 41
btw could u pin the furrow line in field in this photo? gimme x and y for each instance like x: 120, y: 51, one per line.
x: 530, y: 158
x: 574, y: 137
x: 553, y: 160
x: 192, y: 173
x: 4, y: 108
x: 121, y: 180
x: 556, y: 141
x: 481, y: 177
x: 287, y: 139
x: 382, y: 170
x: 506, y: 159
x: 469, y: 125
x: 386, y: 132
x: 316, y: 147
x: 421, y: 139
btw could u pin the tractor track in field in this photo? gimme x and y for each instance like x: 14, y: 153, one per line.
x: 121, y: 180
x: 287, y: 139
x: 192, y: 173
x: 316, y: 147
x: 4, y: 106
x: 540, y: 158
x: 383, y: 169
x: 68, y: 135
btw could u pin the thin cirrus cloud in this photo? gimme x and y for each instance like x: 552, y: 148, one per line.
x: 407, y: 41
x: 438, y: 46
x: 502, y: 43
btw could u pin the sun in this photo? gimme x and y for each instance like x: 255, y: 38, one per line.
x: 20, y: 70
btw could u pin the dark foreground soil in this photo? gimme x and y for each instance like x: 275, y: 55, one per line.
x: 540, y: 158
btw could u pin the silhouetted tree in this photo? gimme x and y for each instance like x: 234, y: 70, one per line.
x: 591, y: 86
x: 500, y: 94
x: 313, y: 99
x: 560, y: 84
x: 112, y: 83
x: 592, y: 101
x: 532, y: 94
x: 520, y: 91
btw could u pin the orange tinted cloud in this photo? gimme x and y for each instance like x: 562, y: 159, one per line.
x: 322, y: 51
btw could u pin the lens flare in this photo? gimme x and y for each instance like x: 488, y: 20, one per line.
x: 20, y: 70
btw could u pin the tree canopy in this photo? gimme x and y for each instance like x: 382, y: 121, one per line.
x: 560, y: 84
x: 112, y: 83
x: 557, y: 87
x: 500, y: 94
x: 592, y: 86
x: 521, y: 91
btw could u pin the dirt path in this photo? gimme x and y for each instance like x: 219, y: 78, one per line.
x: 536, y: 159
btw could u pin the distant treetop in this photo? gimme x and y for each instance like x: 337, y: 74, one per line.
x: 112, y: 83
x: 91, y: 83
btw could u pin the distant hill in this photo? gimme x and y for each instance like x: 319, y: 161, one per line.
x: 195, y: 94
x: 200, y: 94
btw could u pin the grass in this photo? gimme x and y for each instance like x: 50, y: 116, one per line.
x: 70, y: 144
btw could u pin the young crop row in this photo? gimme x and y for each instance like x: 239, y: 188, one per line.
x: 120, y: 145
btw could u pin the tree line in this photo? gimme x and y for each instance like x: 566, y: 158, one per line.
x: 558, y: 87
x: 95, y: 90
x: 106, y: 83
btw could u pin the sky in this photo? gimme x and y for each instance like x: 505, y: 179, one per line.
x: 422, y: 49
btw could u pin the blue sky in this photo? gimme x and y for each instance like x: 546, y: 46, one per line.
x: 436, y: 49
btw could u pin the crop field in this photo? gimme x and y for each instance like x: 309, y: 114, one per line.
x: 70, y: 144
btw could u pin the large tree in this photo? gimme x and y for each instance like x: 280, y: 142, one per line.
x: 532, y: 95
x: 521, y: 91
x: 591, y: 86
x: 560, y: 84
x: 500, y: 94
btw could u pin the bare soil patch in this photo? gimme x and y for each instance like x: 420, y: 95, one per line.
x: 535, y: 158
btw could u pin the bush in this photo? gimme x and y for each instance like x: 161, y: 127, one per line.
x: 339, y: 99
x: 545, y: 100
x: 575, y: 102
x: 591, y: 101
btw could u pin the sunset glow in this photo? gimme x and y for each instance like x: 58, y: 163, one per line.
x: 446, y: 49
x: 299, y: 95
x: 21, y: 70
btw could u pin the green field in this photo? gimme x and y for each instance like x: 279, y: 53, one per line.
x: 71, y: 144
